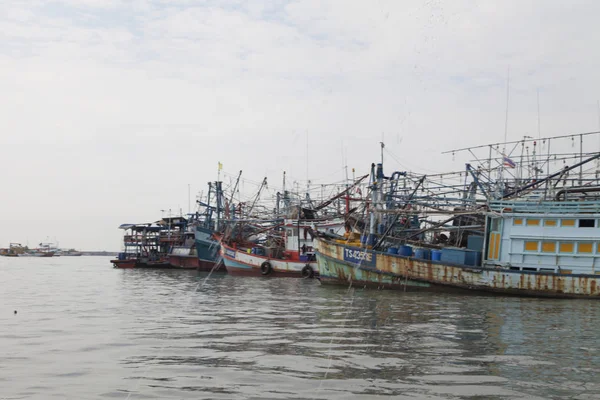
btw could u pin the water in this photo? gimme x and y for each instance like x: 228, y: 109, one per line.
x: 86, y: 331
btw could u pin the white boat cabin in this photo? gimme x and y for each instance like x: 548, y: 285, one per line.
x: 551, y: 236
x: 299, y: 236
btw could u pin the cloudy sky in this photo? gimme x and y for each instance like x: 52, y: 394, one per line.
x: 111, y: 108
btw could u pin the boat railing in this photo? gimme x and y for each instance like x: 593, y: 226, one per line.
x: 546, y: 207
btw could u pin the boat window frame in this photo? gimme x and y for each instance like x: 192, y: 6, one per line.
x: 533, y: 222
x: 560, y: 247
x: 580, y: 220
x: 579, y: 244
x: 571, y: 222
x: 548, y: 243
x: 537, y: 246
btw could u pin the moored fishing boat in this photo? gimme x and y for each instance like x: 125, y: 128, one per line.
x: 289, y: 254
x: 207, y: 249
x: 44, y: 250
x: 142, y: 247
x: 284, y: 246
x: 14, y: 249
x: 184, y: 257
x: 538, y: 237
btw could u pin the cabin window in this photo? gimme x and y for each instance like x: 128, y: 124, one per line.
x: 587, y: 223
x: 533, y: 222
x: 518, y: 221
x: 584, y: 248
x: 566, y: 247
x: 549, y: 222
x: 531, y: 245
x: 548, y: 247
x: 495, y: 225
x: 291, y: 232
x: 567, y: 222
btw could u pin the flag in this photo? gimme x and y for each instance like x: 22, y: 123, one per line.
x: 507, y: 162
x: 220, y: 166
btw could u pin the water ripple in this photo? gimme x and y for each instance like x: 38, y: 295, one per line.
x: 85, y: 330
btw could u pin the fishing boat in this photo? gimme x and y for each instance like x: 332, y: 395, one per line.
x: 14, y: 249
x: 289, y: 253
x: 44, y: 250
x: 286, y: 247
x: 71, y: 253
x: 208, y: 226
x: 182, y: 253
x: 207, y: 248
x: 537, y: 237
x: 142, y: 247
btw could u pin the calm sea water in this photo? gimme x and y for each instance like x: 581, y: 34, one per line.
x: 84, y: 330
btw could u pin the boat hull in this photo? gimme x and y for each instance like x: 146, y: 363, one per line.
x: 341, y: 264
x: 184, y: 262
x: 191, y: 262
x: 49, y: 254
x: 124, y: 263
x: 136, y: 263
x: 243, y: 264
x: 207, y: 248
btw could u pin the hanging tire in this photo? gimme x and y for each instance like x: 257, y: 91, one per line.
x: 308, y: 272
x: 266, y: 268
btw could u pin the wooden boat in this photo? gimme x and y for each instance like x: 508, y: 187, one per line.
x: 548, y: 249
x: 536, y: 239
x: 144, y: 246
x: 124, y: 263
x: 13, y: 250
x: 290, y: 256
x: 207, y: 248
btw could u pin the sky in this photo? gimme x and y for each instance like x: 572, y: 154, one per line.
x: 112, y: 109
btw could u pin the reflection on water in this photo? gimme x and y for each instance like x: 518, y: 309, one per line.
x: 85, y: 330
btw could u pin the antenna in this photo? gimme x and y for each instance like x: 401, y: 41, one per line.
x: 307, y: 182
x: 501, y: 170
x: 598, y: 115
x: 538, y: 104
x: 507, y: 96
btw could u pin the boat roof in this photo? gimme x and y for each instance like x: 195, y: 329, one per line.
x: 172, y: 221
x: 141, y: 227
x: 562, y: 207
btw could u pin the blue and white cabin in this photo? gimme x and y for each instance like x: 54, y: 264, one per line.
x: 545, y: 236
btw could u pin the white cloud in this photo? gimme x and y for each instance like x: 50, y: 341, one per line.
x: 112, y: 107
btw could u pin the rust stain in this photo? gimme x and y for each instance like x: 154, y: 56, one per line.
x: 522, y: 282
x: 400, y: 268
x: 560, y: 288
x: 430, y: 274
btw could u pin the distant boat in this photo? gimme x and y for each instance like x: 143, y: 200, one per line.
x: 36, y: 253
x: 71, y: 253
x: 13, y: 250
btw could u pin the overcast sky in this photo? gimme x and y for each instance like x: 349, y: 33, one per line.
x: 110, y: 108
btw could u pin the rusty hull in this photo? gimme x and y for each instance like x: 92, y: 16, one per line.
x: 406, y: 273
